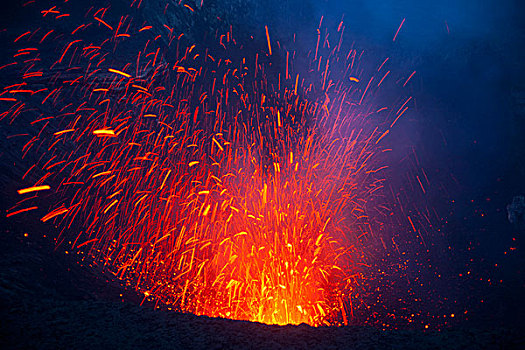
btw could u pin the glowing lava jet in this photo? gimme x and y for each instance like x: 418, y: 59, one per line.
x: 208, y: 181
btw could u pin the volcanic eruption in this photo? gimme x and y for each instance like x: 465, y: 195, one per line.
x: 220, y: 180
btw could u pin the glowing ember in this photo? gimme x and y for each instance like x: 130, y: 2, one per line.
x: 207, y: 178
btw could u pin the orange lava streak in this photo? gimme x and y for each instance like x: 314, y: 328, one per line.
x: 21, y: 211
x: 104, y: 132
x: 268, y: 40
x: 33, y: 189
x: 119, y: 72
x: 54, y: 213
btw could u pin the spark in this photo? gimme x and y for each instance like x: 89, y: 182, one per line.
x: 54, y: 213
x: 21, y: 211
x: 119, y: 72
x: 398, y: 29
x: 33, y: 189
x: 268, y: 40
x: 104, y: 132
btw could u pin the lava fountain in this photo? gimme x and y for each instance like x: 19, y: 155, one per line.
x: 217, y: 180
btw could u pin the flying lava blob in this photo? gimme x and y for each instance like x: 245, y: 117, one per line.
x: 221, y: 181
